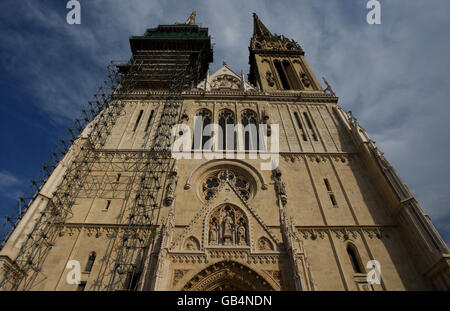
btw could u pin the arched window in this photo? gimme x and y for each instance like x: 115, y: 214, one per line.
x: 90, y: 262
x: 202, y: 119
x: 226, y: 135
x: 250, y: 129
x: 354, y: 258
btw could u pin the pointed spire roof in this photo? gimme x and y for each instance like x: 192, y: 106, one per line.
x: 258, y: 27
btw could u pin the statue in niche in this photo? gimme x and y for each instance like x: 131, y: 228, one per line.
x: 241, y: 233
x: 191, y: 244
x: 280, y: 186
x: 213, y: 230
x: 170, y: 194
x: 228, y: 228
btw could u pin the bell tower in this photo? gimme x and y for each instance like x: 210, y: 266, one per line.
x: 278, y: 63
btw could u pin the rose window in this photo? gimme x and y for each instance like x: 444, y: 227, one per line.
x: 213, y: 182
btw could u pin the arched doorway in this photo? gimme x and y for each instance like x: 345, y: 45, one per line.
x: 227, y: 276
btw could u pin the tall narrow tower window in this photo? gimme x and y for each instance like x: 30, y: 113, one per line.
x: 330, y: 192
x: 226, y: 135
x: 250, y: 130
x: 108, y: 204
x: 283, y: 78
x: 354, y: 258
x: 90, y: 262
x: 308, y: 121
x: 138, y: 119
x: 300, y: 127
x: 149, y: 121
x: 291, y: 75
x: 327, y: 184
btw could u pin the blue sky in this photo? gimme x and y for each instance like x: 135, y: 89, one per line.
x: 394, y: 76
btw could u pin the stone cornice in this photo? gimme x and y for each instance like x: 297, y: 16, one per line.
x: 344, y: 231
x: 293, y: 96
x: 312, y: 154
x: 97, y: 229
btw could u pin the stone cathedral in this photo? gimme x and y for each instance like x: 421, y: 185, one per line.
x: 120, y: 212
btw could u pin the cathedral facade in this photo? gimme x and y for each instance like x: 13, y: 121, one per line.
x: 122, y: 210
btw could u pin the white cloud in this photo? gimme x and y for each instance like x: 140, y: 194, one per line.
x: 9, y: 185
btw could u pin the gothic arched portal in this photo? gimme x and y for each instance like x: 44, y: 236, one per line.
x: 227, y: 276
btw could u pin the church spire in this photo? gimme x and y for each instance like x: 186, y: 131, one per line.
x: 278, y: 63
x: 259, y: 29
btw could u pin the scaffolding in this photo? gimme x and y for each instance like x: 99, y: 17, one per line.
x: 90, y: 173
x: 134, y: 246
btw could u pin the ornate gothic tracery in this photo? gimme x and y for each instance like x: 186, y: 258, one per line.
x: 213, y: 181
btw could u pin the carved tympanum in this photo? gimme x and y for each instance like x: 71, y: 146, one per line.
x: 226, y: 82
x: 228, y: 225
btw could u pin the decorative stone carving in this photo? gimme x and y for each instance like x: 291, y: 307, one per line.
x: 280, y: 186
x: 305, y: 80
x: 228, y: 225
x: 178, y: 274
x: 227, y: 275
x: 170, y: 192
x: 191, y: 244
x: 264, y: 120
x: 269, y: 78
x: 264, y: 244
x: 226, y: 82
